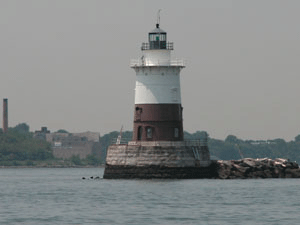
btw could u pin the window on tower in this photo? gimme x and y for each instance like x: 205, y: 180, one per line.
x: 176, y: 132
x: 149, y: 132
x: 153, y: 37
x: 139, y: 134
x: 162, y: 37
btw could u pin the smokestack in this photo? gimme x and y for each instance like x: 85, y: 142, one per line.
x: 5, y: 116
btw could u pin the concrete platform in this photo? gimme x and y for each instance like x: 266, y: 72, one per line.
x: 176, y: 160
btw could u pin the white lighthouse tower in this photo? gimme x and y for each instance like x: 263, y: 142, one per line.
x: 158, y: 148
x: 158, y: 110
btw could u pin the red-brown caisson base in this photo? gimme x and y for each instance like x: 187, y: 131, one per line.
x: 159, y: 172
x: 158, y: 122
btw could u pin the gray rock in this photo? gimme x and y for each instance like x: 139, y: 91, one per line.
x: 292, y: 165
x: 241, y: 169
x: 257, y: 168
x: 292, y: 173
x: 249, y: 162
x: 268, y: 174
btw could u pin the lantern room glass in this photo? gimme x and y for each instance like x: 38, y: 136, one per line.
x: 157, y: 40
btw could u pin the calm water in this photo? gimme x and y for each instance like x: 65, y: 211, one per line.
x: 60, y: 196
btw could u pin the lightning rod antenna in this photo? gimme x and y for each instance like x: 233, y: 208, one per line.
x: 158, y: 18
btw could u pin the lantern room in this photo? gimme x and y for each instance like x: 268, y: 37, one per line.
x: 158, y: 38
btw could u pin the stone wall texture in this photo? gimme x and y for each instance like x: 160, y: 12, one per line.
x: 169, y: 156
x: 137, y: 161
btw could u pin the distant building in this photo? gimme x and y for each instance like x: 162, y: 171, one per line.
x: 41, y: 134
x: 66, y: 145
x: 261, y: 142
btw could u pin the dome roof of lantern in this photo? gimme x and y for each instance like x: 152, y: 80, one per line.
x: 157, y: 30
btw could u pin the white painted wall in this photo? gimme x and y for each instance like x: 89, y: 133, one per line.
x: 157, y: 85
x: 157, y: 57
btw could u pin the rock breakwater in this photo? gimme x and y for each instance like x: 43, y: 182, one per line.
x: 248, y: 168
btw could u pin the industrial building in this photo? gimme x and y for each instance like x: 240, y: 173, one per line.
x: 66, y: 145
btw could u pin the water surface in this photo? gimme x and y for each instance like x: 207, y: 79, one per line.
x: 61, y: 196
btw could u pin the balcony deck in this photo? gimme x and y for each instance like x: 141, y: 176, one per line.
x: 145, y: 63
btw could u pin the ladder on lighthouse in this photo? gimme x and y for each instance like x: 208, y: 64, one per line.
x: 196, y: 153
x: 119, y: 137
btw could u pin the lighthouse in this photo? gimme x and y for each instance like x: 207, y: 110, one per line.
x: 157, y: 110
x: 158, y: 148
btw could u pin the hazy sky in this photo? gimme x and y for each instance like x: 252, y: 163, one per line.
x: 65, y: 63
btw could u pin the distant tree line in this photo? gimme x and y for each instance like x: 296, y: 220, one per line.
x: 18, y: 144
x: 232, y: 147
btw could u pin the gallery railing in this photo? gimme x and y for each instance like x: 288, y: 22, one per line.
x: 187, y: 142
